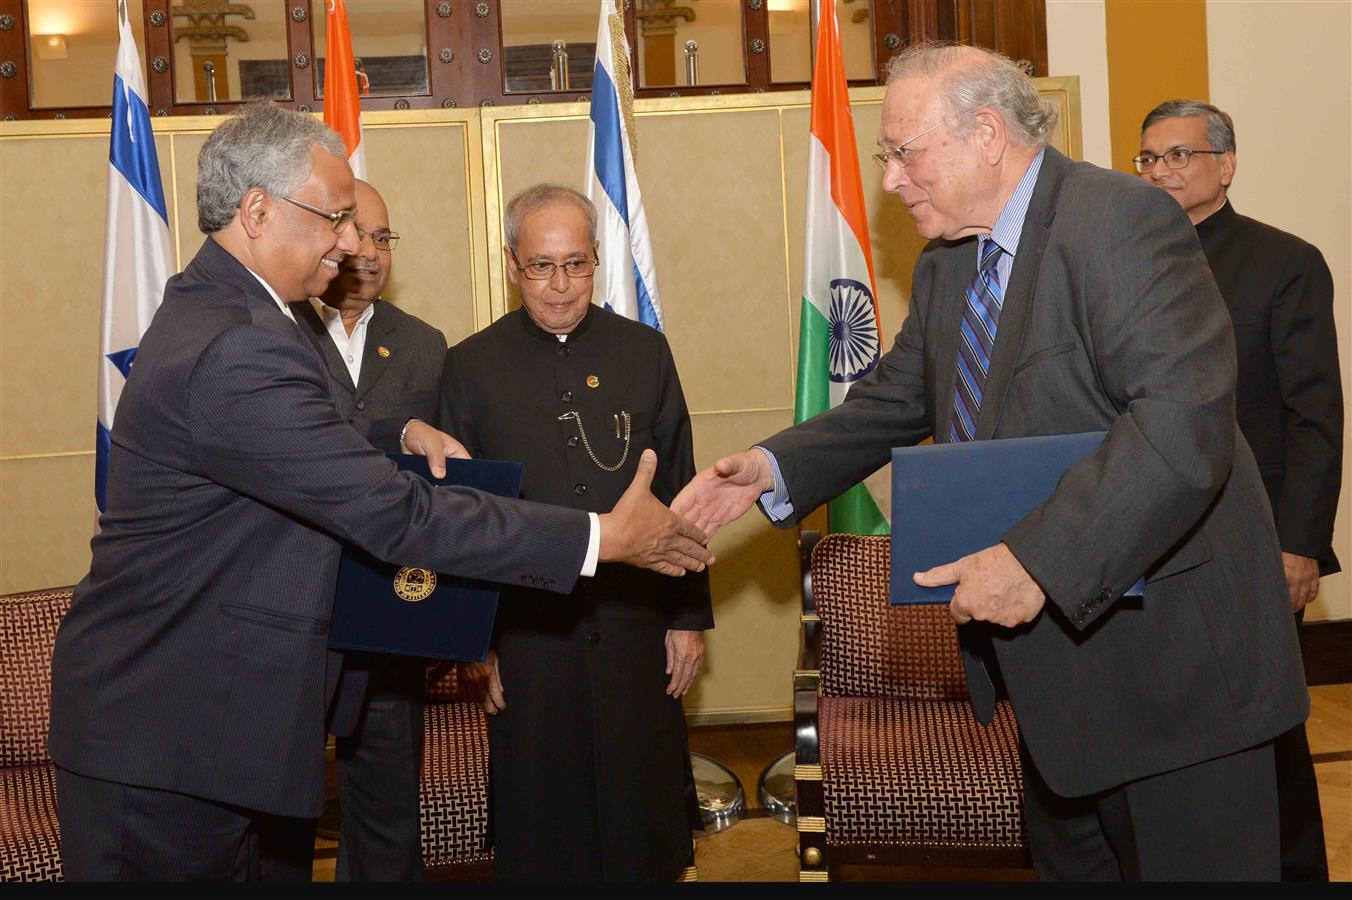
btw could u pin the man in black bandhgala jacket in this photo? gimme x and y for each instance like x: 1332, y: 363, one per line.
x: 590, y: 771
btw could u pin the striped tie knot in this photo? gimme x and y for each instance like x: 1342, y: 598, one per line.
x: 980, y: 319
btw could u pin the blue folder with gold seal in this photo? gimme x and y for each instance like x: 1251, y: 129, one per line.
x: 384, y: 608
x: 951, y: 500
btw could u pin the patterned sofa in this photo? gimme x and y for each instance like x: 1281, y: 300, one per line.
x: 30, y: 843
x: 891, y: 766
x: 454, y: 799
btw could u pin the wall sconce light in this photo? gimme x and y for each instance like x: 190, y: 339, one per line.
x: 50, y: 46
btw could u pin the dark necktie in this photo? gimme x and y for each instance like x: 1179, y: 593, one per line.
x: 980, y: 318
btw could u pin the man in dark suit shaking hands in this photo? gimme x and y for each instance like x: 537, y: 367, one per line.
x: 188, y: 680
x: 1056, y: 297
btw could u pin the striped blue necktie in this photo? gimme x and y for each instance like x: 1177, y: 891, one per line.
x: 980, y: 317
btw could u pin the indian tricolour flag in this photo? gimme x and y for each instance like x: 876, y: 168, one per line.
x: 342, y: 103
x: 838, y: 332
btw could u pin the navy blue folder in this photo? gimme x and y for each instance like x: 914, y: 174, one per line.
x: 387, y: 608
x: 949, y: 500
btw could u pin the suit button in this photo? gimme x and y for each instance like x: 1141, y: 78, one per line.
x: 564, y: 351
x: 572, y: 440
x: 1105, y: 595
x: 579, y: 489
x: 593, y: 638
x: 525, y: 579
x: 566, y: 396
x: 549, y: 582
x: 361, y: 404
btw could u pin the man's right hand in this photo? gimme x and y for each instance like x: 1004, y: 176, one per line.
x: 720, y: 495
x: 641, y: 532
x: 424, y: 440
x: 481, y: 683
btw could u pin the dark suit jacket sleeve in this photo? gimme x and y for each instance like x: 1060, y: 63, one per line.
x: 1305, y: 349
x: 384, y: 432
x: 1164, y: 352
x: 890, y: 407
x: 262, y: 423
x: 689, y: 607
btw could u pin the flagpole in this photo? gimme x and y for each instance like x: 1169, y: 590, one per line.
x: 814, y: 14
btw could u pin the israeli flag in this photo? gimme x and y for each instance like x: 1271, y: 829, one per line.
x: 137, y: 256
x: 626, y: 281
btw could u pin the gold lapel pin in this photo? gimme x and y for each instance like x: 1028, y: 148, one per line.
x: 384, y: 352
x: 593, y: 381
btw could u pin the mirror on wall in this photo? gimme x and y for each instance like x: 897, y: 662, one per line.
x: 389, y: 41
x: 72, y: 49
x: 791, y: 38
x: 548, y: 45
x: 229, y: 51
x: 668, y: 28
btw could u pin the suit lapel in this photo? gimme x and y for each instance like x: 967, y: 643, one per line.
x: 314, y: 327
x: 1018, y: 304
x: 380, y: 333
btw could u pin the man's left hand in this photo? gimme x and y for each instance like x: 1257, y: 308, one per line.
x: 1302, y: 579
x: 993, y: 586
x: 438, y: 446
x: 685, y: 652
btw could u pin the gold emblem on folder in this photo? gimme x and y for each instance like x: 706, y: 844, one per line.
x: 593, y: 381
x: 384, y: 352
x: 414, y: 584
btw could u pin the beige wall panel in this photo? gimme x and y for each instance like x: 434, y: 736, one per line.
x: 529, y: 151
x: 423, y: 174
x: 750, y: 654
x: 188, y: 238
x: 51, y: 279
x: 46, y: 521
x: 713, y: 195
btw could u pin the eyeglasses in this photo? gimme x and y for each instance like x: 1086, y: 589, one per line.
x: 1177, y: 158
x: 901, y: 153
x: 383, y: 238
x: 543, y: 270
x: 340, y: 219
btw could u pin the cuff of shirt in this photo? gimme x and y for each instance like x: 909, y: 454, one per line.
x: 775, y: 503
x: 593, y: 546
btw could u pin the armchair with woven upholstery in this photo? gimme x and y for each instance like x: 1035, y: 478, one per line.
x: 453, y: 795
x: 30, y: 840
x: 892, y: 768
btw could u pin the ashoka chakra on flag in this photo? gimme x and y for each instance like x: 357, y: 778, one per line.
x: 854, y: 331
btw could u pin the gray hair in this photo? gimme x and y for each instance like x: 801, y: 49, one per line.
x: 262, y: 146
x: 535, y: 198
x: 1220, y: 128
x: 968, y: 83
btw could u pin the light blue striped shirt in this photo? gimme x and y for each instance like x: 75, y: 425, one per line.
x: 1006, y: 232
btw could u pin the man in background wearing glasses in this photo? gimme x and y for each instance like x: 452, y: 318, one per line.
x: 591, y: 775
x: 385, y: 366
x: 1288, y: 400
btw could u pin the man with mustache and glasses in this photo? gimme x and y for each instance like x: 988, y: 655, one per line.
x: 385, y: 366
x: 1288, y: 400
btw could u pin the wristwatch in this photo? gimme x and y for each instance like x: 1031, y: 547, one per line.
x: 403, y: 431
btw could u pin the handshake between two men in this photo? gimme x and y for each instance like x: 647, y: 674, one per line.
x: 638, y: 531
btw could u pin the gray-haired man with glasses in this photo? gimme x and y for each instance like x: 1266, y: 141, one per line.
x: 584, y: 701
x: 1288, y: 400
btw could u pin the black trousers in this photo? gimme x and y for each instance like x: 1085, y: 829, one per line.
x: 379, y: 766
x: 1213, y: 821
x: 120, y: 832
x: 1302, y: 821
